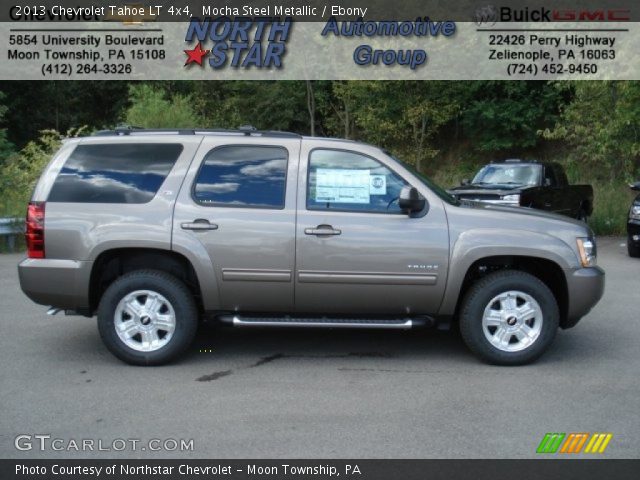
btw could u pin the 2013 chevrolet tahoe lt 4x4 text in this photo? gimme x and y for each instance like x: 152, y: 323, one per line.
x: 153, y: 231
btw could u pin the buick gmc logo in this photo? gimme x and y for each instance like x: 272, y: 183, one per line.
x: 489, y: 15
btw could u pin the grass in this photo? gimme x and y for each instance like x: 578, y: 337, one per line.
x: 13, y: 209
x: 611, y: 207
x: 10, y: 207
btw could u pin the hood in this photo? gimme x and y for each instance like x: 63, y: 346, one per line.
x: 525, y: 214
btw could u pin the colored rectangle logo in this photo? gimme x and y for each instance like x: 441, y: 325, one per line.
x: 574, y: 443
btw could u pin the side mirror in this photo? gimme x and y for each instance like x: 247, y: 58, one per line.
x: 410, y: 200
x: 635, y: 186
x: 547, y: 182
x: 465, y: 181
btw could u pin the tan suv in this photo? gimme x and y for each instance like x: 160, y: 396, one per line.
x: 153, y: 230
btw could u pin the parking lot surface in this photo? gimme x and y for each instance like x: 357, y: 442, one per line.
x: 320, y: 394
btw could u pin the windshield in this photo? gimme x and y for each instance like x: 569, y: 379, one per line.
x: 508, y: 175
x: 438, y: 190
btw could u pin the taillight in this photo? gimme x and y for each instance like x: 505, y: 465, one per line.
x: 34, y: 232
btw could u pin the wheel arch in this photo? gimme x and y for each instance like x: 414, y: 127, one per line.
x: 477, y: 252
x: 111, y: 264
x: 547, y: 271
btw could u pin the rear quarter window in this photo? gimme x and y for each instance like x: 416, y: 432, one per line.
x: 114, y: 173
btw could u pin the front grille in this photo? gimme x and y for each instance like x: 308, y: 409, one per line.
x: 479, y: 196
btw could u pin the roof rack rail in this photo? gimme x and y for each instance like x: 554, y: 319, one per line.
x: 247, y: 130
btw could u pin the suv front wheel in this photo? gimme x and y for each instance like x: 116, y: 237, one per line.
x: 509, y: 318
x: 147, y: 317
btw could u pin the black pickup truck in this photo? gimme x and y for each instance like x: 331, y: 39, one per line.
x: 528, y: 184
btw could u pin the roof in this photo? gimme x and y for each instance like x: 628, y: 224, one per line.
x: 516, y: 161
x: 245, y: 130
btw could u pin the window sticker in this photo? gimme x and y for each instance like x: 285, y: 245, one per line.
x: 378, y: 185
x: 343, y: 186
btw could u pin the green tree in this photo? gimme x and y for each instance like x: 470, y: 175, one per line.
x: 6, y: 147
x: 602, y: 127
x: 34, y: 106
x: 403, y: 116
x: 267, y: 105
x: 505, y: 117
x: 151, y: 108
x: 22, y: 169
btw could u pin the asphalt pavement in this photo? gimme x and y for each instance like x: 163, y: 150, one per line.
x: 317, y: 394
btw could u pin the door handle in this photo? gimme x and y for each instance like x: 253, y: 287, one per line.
x: 199, y: 224
x: 322, y: 230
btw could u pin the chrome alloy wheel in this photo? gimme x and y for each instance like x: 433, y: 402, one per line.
x: 145, y: 320
x: 512, y: 321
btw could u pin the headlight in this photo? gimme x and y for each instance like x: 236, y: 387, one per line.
x: 512, y: 198
x: 634, y: 213
x: 587, y: 251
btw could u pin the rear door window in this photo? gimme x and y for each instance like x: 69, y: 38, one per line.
x: 243, y: 176
x: 114, y: 173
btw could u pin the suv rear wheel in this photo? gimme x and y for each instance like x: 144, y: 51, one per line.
x: 509, y: 318
x: 147, y: 317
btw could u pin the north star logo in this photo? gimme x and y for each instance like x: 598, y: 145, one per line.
x: 195, y: 55
x: 240, y: 43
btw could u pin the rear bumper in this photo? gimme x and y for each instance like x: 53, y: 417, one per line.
x: 585, y: 288
x: 60, y: 283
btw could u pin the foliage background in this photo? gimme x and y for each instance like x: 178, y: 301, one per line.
x: 446, y: 129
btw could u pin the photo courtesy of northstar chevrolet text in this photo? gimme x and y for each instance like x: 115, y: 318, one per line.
x: 294, y: 239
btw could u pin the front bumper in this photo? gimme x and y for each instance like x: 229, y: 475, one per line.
x: 60, y: 283
x: 585, y: 287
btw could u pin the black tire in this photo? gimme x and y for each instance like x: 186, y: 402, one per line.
x: 174, y: 291
x: 633, y: 248
x: 486, y: 289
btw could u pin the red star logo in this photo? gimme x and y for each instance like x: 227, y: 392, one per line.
x: 195, y: 55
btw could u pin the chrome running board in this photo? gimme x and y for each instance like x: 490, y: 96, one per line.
x: 324, y: 322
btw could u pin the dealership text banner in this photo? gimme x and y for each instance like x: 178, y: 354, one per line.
x: 319, y: 40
